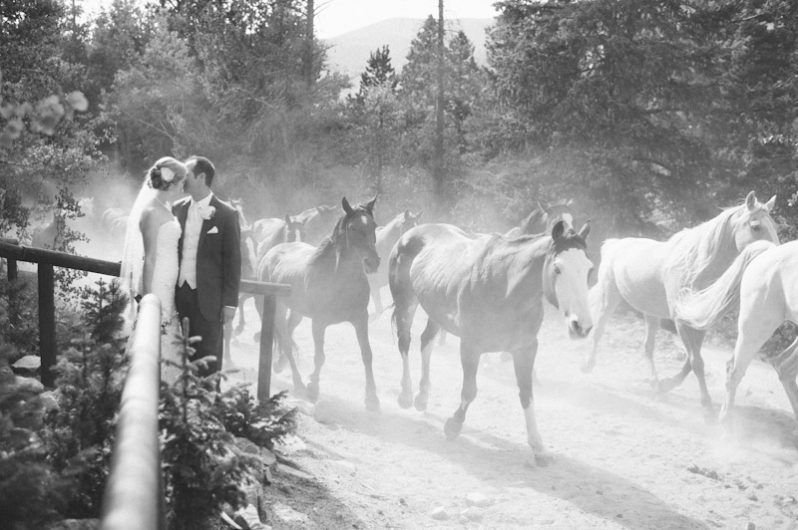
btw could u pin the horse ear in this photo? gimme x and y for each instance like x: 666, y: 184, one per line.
x: 370, y: 205
x: 347, y: 207
x: 750, y: 201
x: 418, y: 215
x: 287, y: 219
x: 585, y: 230
x: 771, y: 203
x: 407, y: 214
x: 558, y: 230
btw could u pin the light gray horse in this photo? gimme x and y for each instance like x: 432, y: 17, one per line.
x: 651, y: 276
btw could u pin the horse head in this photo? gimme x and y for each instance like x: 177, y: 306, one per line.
x: 754, y: 223
x: 318, y: 222
x: 409, y: 221
x: 294, y: 229
x: 565, y: 277
x: 357, y: 231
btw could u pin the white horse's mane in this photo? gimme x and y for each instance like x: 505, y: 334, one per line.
x: 694, y: 249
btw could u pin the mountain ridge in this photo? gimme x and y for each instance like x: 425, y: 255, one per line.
x: 349, y: 52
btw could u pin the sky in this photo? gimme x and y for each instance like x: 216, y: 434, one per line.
x: 335, y: 17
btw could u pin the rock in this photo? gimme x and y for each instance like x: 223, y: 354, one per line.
x: 28, y: 384
x: 288, y: 470
x: 479, y: 500
x: 471, y: 514
x: 28, y: 366
x: 751, y: 526
x: 439, y: 514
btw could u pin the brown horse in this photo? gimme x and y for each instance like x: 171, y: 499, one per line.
x: 329, y: 286
x: 256, y: 240
x: 488, y: 290
x: 317, y: 223
x: 543, y: 218
x: 387, y: 236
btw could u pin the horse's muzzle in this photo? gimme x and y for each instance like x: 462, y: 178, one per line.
x: 371, y: 264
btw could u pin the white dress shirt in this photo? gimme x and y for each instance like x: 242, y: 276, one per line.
x: 188, y: 263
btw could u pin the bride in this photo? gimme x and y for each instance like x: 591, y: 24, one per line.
x: 150, y: 263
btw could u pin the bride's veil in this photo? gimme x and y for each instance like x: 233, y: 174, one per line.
x: 133, y: 251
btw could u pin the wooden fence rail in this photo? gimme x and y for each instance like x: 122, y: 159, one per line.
x: 48, y: 259
x: 134, y: 490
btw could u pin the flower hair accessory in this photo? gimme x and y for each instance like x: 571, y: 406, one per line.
x: 207, y: 212
x: 167, y: 175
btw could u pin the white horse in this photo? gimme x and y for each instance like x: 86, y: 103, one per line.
x: 651, y: 276
x: 767, y: 298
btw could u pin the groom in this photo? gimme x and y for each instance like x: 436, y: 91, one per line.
x: 210, y: 262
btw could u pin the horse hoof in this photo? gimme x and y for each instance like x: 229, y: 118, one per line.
x: 666, y: 385
x: 373, y: 404
x: 420, y: 403
x: 313, y: 392
x: 587, y: 368
x: 544, y: 459
x: 452, y: 429
x: 710, y: 418
x: 405, y: 400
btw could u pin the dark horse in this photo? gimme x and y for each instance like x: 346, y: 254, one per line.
x: 543, y: 218
x: 387, y: 236
x: 328, y: 285
x: 488, y: 290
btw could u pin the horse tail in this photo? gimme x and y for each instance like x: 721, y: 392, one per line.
x: 702, y: 309
x: 399, y: 262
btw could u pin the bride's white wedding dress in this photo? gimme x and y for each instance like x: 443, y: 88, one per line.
x: 164, y: 280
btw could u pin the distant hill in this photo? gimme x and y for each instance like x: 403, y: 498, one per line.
x: 349, y: 52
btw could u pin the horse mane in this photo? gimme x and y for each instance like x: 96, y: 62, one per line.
x: 693, y: 250
x: 334, y: 242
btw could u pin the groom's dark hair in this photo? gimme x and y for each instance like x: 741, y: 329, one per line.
x: 203, y: 165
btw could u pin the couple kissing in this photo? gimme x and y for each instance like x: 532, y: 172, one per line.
x: 185, y: 250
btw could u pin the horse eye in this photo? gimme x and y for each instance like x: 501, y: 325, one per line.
x: 557, y: 269
x: 756, y: 228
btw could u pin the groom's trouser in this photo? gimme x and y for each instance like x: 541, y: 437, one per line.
x: 187, y: 303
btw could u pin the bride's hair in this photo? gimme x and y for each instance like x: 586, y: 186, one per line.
x: 166, y: 173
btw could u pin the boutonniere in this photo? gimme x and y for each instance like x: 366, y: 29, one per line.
x: 207, y: 212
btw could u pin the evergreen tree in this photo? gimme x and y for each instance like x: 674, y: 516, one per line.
x: 379, y: 72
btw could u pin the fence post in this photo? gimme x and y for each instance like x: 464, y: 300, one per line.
x: 266, y: 352
x: 47, y: 323
x: 134, y: 490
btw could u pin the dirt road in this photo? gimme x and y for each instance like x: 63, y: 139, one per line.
x: 626, y: 457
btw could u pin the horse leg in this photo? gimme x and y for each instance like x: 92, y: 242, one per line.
x: 692, y: 340
x: 786, y: 365
x: 228, y: 359
x: 652, y: 325
x: 294, y: 320
x: 524, y: 363
x: 469, y: 358
x: 283, y: 337
x: 604, y: 299
x: 403, y: 317
x: 361, y: 325
x: 377, y: 299
x: 318, y: 358
x: 241, y: 318
x: 427, y: 343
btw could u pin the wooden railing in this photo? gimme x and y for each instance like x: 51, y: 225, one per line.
x: 48, y: 259
x: 134, y: 490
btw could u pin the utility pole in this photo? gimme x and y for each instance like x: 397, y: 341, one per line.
x: 309, y: 44
x: 438, y: 171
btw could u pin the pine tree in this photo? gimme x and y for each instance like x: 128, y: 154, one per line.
x: 379, y: 72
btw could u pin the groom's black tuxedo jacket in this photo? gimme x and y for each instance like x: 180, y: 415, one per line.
x: 218, y: 257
